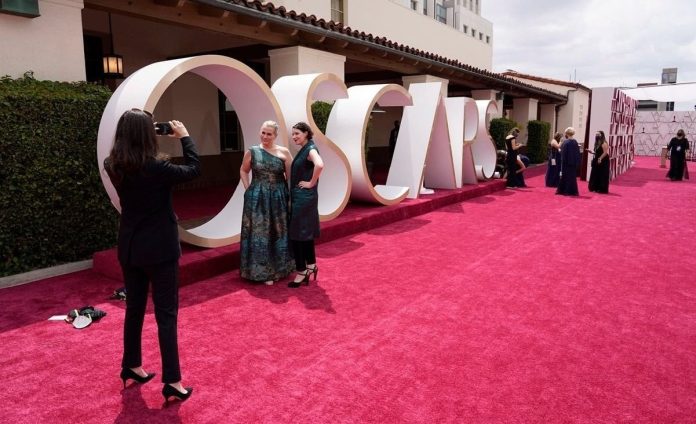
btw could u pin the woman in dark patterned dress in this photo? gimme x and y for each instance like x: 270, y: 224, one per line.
x: 304, y: 221
x: 264, y: 250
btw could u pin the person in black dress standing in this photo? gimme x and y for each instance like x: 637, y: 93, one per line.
x: 514, y: 166
x: 570, y: 159
x: 677, y: 148
x: 148, y: 240
x: 599, y: 175
x: 304, y: 204
x: 554, y: 166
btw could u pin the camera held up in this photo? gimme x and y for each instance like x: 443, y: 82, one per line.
x: 163, y: 128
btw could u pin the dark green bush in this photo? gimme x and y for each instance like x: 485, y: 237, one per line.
x: 320, y: 114
x: 499, y: 129
x: 537, y: 140
x: 53, y: 208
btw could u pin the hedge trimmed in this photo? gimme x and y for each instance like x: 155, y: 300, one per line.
x: 53, y: 208
x: 499, y: 129
x: 537, y: 141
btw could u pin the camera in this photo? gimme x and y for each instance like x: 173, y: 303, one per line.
x: 163, y: 128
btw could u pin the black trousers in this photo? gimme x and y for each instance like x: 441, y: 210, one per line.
x: 165, y: 296
x: 304, y: 253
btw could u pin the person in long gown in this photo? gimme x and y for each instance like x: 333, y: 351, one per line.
x: 304, y: 204
x: 264, y: 249
x: 677, y: 156
x: 514, y: 166
x: 599, y: 174
x: 554, y: 166
x: 570, y: 159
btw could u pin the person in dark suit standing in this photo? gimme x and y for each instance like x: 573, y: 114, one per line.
x: 148, y: 239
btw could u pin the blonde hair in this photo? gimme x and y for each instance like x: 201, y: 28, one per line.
x: 271, y: 124
x: 569, y: 132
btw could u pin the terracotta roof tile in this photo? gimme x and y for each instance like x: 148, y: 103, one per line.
x: 339, y: 27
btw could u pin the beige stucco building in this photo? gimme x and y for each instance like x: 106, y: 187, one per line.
x: 423, y: 40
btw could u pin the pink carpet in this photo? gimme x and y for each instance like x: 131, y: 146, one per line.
x: 519, y: 306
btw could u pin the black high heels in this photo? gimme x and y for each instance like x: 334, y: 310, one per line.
x: 314, y: 271
x: 305, y: 280
x: 129, y: 374
x: 169, y: 391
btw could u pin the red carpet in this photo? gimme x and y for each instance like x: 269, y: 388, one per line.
x: 520, y: 306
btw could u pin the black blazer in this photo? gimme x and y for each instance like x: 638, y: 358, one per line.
x: 148, y: 232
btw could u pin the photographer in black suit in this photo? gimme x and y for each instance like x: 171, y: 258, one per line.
x: 148, y: 239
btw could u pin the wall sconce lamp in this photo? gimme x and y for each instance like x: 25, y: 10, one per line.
x: 112, y: 63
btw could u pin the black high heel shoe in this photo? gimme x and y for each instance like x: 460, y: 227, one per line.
x: 314, y: 271
x: 305, y: 280
x: 129, y: 374
x: 169, y: 391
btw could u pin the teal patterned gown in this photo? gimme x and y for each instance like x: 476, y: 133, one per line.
x: 264, y: 250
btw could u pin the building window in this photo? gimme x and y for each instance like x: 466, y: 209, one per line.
x: 488, y: 39
x: 481, y: 36
x: 466, y: 29
x: 473, y: 32
x: 440, y: 13
x: 478, y: 9
x: 425, y: 7
x: 337, y: 10
x: 27, y: 8
x: 230, y: 130
x: 414, y: 4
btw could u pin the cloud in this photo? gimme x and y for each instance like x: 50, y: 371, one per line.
x: 599, y: 42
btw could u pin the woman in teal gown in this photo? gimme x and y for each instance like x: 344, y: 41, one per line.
x: 264, y: 249
x: 304, y: 204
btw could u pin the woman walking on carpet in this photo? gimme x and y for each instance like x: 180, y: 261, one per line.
x: 264, y: 251
x: 677, y: 157
x: 304, y: 221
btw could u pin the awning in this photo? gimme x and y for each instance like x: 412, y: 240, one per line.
x: 684, y: 92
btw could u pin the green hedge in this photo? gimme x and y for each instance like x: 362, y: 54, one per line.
x: 320, y: 114
x: 499, y: 129
x: 53, y: 208
x: 537, y: 141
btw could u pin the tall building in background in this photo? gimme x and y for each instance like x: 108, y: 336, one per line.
x: 450, y: 28
x: 669, y: 76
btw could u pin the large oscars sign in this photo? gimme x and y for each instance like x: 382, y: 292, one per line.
x: 443, y: 142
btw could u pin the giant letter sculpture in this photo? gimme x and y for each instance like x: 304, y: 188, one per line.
x: 462, y: 122
x: 347, y: 126
x: 483, y: 148
x: 253, y: 102
x: 423, y: 136
x: 295, y: 94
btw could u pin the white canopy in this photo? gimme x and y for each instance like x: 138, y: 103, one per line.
x: 684, y: 92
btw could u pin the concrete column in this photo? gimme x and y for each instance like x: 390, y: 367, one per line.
x: 548, y: 114
x: 414, y: 79
x: 302, y: 60
x: 489, y: 95
x: 523, y: 111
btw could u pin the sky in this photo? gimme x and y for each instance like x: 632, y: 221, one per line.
x: 598, y: 43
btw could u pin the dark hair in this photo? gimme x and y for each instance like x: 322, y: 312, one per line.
x: 302, y: 126
x: 680, y: 133
x: 135, y: 144
x: 602, y: 139
x: 558, y: 136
